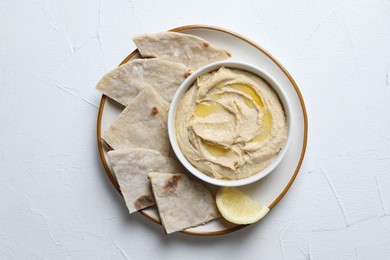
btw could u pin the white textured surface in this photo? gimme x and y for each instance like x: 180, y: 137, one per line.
x: 55, y: 199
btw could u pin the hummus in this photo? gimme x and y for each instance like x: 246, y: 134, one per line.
x: 230, y: 124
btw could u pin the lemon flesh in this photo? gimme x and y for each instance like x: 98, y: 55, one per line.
x: 238, y: 208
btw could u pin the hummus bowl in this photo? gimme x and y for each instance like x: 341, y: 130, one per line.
x: 229, y: 123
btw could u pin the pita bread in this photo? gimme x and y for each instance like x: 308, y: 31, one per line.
x: 131, y: 167
x: 142, y: 124
x: 181, y: 202
x: 190, y: 50
x: 125, y: 82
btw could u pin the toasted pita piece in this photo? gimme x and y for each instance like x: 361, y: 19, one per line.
x: 142, y: 124
x: 181, y: 202
x: 131, y: 168
x: 125, y: 82
x: 191, y: 50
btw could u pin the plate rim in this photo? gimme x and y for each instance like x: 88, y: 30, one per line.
x: 100, y: 143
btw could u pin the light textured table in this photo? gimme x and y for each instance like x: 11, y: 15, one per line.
x: 57, y: 203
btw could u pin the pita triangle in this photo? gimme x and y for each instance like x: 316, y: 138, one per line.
x: 188, y: 49
x: 125, y: 82
x: 181, y: 202
x: 131, y: 168
x: 142, y: 124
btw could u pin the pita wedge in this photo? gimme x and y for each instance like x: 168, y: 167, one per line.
x: 191, y: 50
x: 142, y: 124
x: 125, y: 82
x: 181, y: 202
x: 131, y: 167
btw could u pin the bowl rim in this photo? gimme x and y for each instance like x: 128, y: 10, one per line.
x: 188, y: 82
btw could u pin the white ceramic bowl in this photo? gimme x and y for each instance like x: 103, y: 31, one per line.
x: 188, y: 83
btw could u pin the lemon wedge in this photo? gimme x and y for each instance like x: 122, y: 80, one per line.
x: 238, y: 208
